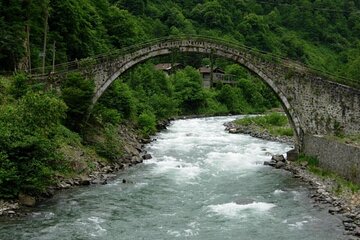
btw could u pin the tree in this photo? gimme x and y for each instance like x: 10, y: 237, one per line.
x: 123, y: 28
x: 188, y: 90
x: 77, y: 93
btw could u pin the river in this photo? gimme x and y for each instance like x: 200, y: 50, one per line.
x: 202, y: 183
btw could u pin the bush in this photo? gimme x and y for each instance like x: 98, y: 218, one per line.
x: 28, y: 143
x: 311, y: 160
x: 19, y: 86
x: 119, y: 96
x: 8, y: 177
x: 147, y: 123
x: 106, y: 115
x: 111, y: 145
x: 77, y: 92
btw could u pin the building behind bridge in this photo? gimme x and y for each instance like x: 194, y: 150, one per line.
x: 215, y: 77
x: 209, y: 78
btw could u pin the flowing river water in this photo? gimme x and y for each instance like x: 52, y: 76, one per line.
x: 202, y: 183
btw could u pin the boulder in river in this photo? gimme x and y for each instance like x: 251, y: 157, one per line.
x: 147, y: 156
x: 280, y: 164
x: 272, y: 163
x: 278, y: 158
x: 27, y: 200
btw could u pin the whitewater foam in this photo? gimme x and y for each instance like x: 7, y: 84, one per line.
x: 233, y: 209
x: 278, y: 192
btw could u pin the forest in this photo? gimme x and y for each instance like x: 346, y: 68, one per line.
x: 38, y: 123
x: 321, y: 33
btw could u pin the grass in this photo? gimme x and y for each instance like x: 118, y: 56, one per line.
x: 275, y: 123
x: 347, y: 139
x: 342, y: 185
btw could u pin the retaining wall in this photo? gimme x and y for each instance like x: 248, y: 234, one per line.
x: 337, y: 157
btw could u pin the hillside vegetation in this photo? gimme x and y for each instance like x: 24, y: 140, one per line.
x: 324, y: 34
x: 38, y: 124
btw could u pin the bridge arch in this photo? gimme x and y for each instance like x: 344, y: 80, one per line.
x: 108, y: 70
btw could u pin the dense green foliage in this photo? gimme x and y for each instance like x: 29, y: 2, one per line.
x: 324, y: 34
x: 146, y: 95
x: 77, y: 93
x: 30, y: 130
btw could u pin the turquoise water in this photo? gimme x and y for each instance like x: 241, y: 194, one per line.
x: 202, y: 183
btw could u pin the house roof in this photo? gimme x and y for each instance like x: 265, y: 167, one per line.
x: 166, y: 66
x: 208, y: 70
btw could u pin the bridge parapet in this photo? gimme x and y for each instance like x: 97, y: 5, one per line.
x: 313, y: 104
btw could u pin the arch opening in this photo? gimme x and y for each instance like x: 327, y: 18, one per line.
x: 201, y: 47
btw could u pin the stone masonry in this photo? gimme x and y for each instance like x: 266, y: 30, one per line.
x: 313, y: 104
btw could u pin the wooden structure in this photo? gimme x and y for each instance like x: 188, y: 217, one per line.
x: 217, y: 76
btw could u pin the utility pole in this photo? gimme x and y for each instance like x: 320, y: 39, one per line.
x: 53, y: 60
x: 45, y: 37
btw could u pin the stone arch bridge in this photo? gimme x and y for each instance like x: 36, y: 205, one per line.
x: 314, y: 104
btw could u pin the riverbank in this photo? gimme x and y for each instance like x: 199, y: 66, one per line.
x: 94, y: 170
x: 259, y: 128
x: 326, y: 192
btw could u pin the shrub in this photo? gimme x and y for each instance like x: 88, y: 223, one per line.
x: 77, y: 92
x: 311, y: 160
x: 8, y: 177
x: 111, y: 145
x: 147, y: 123
x: 107, y: 115
x: 29, y: 130
x: 119, y: 96
x: 19, y: 86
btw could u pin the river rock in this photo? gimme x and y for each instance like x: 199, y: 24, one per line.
x: 349, y: 226
x: 357, y: 232
x: 63, y: 185
x: 49, y: 192
x: 27, y: 200
x: 108, y: 176
x: 233, y: 130
x: 99, y: 181
x: 279, y: 165
x: 278, y: 158
x: 334, y: 210
x: 272, y: 163
x: 84, y: 181
x: 304, y: 165
x: 107, y: 169
x: 147, y: 156
x: 131, y: 150
x: 145, y: 140
x: 136, y: 160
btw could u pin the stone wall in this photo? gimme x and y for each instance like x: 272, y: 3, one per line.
x: 337, y: 157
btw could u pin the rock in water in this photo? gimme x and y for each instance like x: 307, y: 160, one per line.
x: 278, y: 158
x: 147, y: 156
x: 280, y: 165
x: 27, y: 200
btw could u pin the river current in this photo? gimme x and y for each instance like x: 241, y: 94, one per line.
x: 202, y: 183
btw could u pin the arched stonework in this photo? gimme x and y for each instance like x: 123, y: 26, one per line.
x: 312, y: 104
